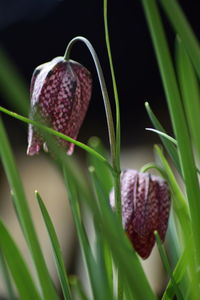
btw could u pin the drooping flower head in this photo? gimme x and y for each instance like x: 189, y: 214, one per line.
x: 145, y: 208
x: 60, y: 92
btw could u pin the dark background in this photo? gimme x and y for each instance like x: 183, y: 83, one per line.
x: 33, y: 32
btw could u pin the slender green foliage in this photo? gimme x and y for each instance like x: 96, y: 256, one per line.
x: 189, y: 87
x: 184, y: 30
x: 56, y: 249
x: 163, y: 134
x: 17, y: 266
x: 177, y: 116
x: 93, y: 272
x: 171, y: 149
x: 6, y: 277
x: 25, y: 215
x: 167, y: 265
x: 56, y: 133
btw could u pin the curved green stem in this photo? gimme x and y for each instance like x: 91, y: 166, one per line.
x: 152, y: 165
x: 104, y: 91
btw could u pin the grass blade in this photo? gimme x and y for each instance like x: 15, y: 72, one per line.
x: 182, y: 213
x: 24, y: 215
x: 180, y: 204
x: 17, y: 267
x: 177, y: 116
x: 171, y: 149
x: 108, y: 264
x: 189, y: 87
x: 184, y: 30
x: 178, y: 274
x: 166, y: 265
x: 56, y: 250
x: 97, y: 289
x: 55, y: 133
x: 78, y: 288
x: 102, y: 260
x: 6, y: 277
x: 103, y: 173
x: 163, y: 134
x: 77, y: 191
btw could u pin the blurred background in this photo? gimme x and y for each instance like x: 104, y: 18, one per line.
x: 35, y: 31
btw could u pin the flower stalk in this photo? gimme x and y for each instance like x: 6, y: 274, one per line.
x: 104, y: 91
x: 114, y: 139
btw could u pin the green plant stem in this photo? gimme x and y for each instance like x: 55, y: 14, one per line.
x: 117, y: 187
x: 118, y: 130
x: 163, y: 134
x: 118, y: 133
x: 171, y: 149
x: 166, y: 265
x: 104, y: 91
x: 58, y: 134
x: 115, y: 155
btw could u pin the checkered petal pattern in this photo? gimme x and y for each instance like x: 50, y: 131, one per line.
x: 60, y: 94
x: 145, y: 208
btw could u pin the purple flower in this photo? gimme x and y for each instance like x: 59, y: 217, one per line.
x: 145, y: 208
x: 60, y: 93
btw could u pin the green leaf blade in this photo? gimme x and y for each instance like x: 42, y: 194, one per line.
x: 24, y: 215
x: 6, y: 277
x: 103, y: 173
x: 189, y: 87
x: 91, y: 265
x: 184, y: 30
x: 170, y: 148
x: 21, y: 276
x: 179, y: 123
x: 56, y: 249
x: 166, y: 265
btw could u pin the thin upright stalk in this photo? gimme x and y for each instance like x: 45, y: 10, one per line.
x: 118, y: 128
x: 114, y: 139
x: 117, y: 187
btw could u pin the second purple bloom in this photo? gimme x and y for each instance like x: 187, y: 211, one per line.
x: 145, y: 208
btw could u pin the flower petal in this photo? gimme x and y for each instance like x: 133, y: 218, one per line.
x: 145, y: 208
x: 60, y: 94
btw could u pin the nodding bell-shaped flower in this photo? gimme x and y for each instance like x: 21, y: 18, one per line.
x: 145, y: 208
x: 60, y: 93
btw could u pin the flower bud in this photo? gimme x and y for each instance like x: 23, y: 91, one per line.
x: 145, y: 208
x: 60, y: 94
